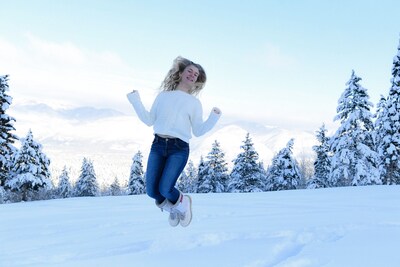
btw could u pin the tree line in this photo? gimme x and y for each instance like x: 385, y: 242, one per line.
x: 364, y: 150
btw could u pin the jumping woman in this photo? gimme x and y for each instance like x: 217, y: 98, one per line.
x: 176, y: 113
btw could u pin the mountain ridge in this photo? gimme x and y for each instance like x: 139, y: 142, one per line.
x: 111, y: 138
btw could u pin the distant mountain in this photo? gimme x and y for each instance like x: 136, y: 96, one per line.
x: 79, y: 113
x: 89, y: 113
x: 111, y: 138
x: 268, y: 140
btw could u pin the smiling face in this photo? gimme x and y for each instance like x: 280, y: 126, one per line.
x: 189, y: 75
x: 185, y: 75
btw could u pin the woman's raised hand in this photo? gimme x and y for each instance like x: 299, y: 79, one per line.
x: 216, y: 110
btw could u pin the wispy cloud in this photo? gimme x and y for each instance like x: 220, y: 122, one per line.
x: 64, y: 72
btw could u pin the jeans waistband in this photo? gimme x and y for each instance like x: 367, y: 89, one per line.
x: 157, y: 137
x: 165, y: 137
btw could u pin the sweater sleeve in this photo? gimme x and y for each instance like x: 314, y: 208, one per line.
x: 145, y: 116
x: 198, y: 126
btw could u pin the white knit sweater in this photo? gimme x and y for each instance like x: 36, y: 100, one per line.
x: 174, y: 113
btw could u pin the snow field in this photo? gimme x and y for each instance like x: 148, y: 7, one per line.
x: 352, y: 226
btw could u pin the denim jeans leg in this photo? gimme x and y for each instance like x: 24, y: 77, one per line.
x: 174, y: 165
x: 155, y: 166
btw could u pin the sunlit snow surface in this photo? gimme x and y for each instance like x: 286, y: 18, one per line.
x: 353, y: 226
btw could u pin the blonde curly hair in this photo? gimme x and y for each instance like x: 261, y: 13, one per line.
x: 173, y: 77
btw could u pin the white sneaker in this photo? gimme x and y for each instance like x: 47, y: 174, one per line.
x: 184, y: 209
x: 173, y: 218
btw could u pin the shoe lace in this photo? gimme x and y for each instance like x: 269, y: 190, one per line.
x: 182, y: 216
x: 173, y: 215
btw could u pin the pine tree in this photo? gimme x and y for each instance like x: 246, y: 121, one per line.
x: 246, y: 174
x: 7, y: 138
x: 115, y: 188
x: 201, y: 178
x: 86, y: 185
x: 30, y: 169
x: 136, y: 184
x: 182, y: 183
x: 187, y: 181
x: 322, y: 163
x: 191, y: 174
x: 284, y: 173
x: 263, y: 175
x: 354, y: 160
x: 388, y: 129
x: 215, y: 171
x: 64, y: 184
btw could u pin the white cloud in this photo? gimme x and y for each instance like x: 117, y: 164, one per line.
x: 63, y: 72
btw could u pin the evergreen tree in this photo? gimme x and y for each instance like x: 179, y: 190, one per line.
x: 201, y: 178
x: 187, y: 181
x: 182, y: 183
x: 30, y: 169
x: 322, y: 163
x: 284, y: 173
x: 64, y: 184
x: 379, y: 126
x: 388, y: 129
x: 7, y: 139
x: 263, y: 175
x: 215, y: 171
x: 191, y: 174
x: 246, y: 174
x: 354, y: 160
x: 136, y: 184
x: 115, y: 188
x: 86, y: 185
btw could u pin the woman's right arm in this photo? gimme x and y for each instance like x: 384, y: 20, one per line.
x: 145, y: 116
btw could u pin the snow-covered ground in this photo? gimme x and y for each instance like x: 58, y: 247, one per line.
x: 343, y: 227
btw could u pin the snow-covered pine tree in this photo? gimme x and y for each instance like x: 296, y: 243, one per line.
x: 7, y: 138
x: 354, y: 160
x: 322, y: 164
x: 30, y: 169
x: 215, y: 171
x: 284, y: 173
x: 86, y: 185
x: 246, y: 174
x: 388, y: 129
x: 191, y: 174
x: 115, y: 188
x: 64, y: 185
x: 182, y: 183
x: 263, y: 175
x: 379, y: 126
x: 136, y: 184
x: 201, y: 178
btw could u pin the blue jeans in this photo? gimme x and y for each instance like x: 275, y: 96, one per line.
x: 166, y: 162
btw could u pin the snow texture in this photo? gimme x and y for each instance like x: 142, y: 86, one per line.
x: 352, y: 226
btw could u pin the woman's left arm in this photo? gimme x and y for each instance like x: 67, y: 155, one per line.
x: 198, y: 126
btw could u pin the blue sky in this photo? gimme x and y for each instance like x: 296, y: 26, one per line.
x: 282, y: 63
